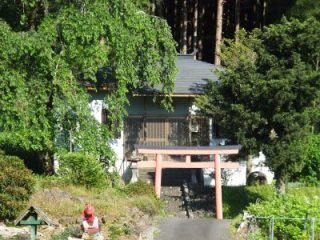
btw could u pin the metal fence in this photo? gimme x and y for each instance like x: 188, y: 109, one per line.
x: 280, y: 228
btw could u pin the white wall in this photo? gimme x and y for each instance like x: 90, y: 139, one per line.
x: 96, y: 105
x: 258, y: 165
x: 96, y: 108
x: 236, y: 177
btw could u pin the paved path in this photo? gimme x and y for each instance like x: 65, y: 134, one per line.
x: 193, y: 229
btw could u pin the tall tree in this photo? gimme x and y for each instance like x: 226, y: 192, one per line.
x: 184, y: 27
x: 219, y: 22
x: 237, y: 15
x: 268, y: 95
x: 42, y: 100
x: 195, y: 26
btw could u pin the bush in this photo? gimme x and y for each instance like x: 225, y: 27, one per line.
x: 117, y: 230
x: 16, y: 186
x: 144, y: 197
x: 258, y: 193
x: 139, y: 188
x: 148, y: 205
x: 310, y: 173
x: 68, y: 232
x: 289, y: 208
x: 237, y: 198
x: 81, y: 169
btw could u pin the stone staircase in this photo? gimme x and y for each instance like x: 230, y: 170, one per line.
x: 170, y: 177
x: 172, y: 198
x: 201, y: 199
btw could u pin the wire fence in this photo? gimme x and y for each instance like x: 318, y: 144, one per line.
x: 281, y: 228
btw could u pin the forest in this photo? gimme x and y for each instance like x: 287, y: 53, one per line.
x: 194, y: 22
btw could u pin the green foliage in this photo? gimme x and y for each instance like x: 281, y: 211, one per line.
x: 310, y: 173
x: 68, y: 232
x: 268, y: 95
x: 148, y: 204
x: 82, y: 169
x: 16, y: 186
x: 237, y: 199
x: 303, y: 9
x: 117, y: 230
x: 43, y: 105
x: 138, y: 188
x: 144, y: 197
x: 292, y: 206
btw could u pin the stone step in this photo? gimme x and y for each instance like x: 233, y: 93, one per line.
x: 170, y: 177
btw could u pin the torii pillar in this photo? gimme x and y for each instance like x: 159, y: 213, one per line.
x: 216, y: 151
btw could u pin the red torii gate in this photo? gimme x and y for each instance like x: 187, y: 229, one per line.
x: 216, y: 151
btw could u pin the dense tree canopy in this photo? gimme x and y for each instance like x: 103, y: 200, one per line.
x: 41, y: 96
x: 268, y: 95
x: 303, y: 9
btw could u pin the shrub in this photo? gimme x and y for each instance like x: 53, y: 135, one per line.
x: 258, y: 193
x: 80, y: 169
x: 116, y: 230
x: 139, y: 188
x: 290, y: 212
x: 144, y: 197
x: 16, y: 186
x: 68, y: 232
x: 237, y: 198
x: 148, y: 205
x: 310, y: 173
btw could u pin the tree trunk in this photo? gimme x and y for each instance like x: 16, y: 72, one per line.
x: 46, y: 162
x: 184, y: 28
x: 258, y: 14
x: 237, y: 16
x: 249, y: 164
x: 219, y: 23
x: 195, y: 27
x: 45, y: 7
x: 175, y: 17
x: 153, y: 7
x: 201, y: 32
x: 280, y: 182
x: 264, y: 12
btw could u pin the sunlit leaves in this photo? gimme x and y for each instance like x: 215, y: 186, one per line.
x: 268, y: 95
x: 41, y: 71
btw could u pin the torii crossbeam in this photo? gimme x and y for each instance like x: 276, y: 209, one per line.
x: 216, y: 151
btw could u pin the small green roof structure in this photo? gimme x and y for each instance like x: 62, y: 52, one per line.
x: 33, y: 217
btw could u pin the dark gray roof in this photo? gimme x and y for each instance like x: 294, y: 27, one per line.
x: 193, y: 75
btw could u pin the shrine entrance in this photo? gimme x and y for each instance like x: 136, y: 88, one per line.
x: 187, y: 152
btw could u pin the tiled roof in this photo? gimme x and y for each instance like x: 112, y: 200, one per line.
x: 193, y: 75
x: 191, y: 78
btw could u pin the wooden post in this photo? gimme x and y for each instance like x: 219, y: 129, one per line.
x: 158, y: 175
x: 218, y: 186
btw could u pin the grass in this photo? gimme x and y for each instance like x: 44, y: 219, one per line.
x: 120, y: 208
x: 236, y: 199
